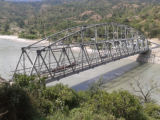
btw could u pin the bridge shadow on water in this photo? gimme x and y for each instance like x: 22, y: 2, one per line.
x: 108, y: 76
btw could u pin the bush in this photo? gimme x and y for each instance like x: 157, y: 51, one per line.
x: 152, y: 110
x: 23, y: 81
x: 17, y: 103
x: 82, y: 114
x: 63, y: 97
x: 126, y: 105
x: 28, y: 36
x: 45, y: 107
x: 86, y: 114
x: 30, y: 83
x: 29, y: 96
x: 120, y: 104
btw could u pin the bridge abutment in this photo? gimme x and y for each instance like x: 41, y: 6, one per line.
x: 151, y: 56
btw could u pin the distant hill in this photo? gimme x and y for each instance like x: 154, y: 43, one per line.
x: 38, y: 19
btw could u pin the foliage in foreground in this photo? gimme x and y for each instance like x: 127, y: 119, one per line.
x: 29, y: 99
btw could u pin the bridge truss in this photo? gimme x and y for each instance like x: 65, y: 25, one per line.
x: 80, y: 48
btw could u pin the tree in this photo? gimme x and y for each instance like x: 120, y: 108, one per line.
x: 15, y: 104
x: 144, y: 90
x: 6, y: 27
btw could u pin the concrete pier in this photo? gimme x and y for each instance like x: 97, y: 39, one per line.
x: 152, y: 56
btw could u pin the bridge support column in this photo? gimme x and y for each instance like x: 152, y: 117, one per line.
x: 150, y: 56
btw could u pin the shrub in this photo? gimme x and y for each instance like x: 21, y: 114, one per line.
x: 120, y: 104
x: 30, y: 83
x: 63, y: 97
x: 17, y: 103
x: 62, y: 103
x: 86, y: 114
x: 82, y: 114
x: 127, y: 106
x: 45, y: 107
x: 152, y: 110
x: 28, y: 35
x: 23, y: 81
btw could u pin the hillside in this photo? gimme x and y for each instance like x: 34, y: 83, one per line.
x: 38, y: 19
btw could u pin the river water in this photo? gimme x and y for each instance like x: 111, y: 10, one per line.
x: 9, y: 54
x: 116, y: 75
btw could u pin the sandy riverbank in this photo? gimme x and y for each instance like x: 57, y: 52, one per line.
x: 77, y: 49
x: 17, y: 39
x: 156, y: 40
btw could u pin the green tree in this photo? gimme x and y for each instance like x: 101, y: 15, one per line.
x: 16, y: 103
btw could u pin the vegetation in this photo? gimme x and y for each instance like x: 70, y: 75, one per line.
x: 39, y: 19
x: 29, y: 99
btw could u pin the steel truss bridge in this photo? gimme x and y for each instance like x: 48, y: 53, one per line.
x: 80, y: 48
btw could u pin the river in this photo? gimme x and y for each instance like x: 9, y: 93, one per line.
x: 9, y: 54
x: 116, y: 75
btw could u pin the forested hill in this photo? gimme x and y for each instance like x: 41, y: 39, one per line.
x: 38, y: 19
